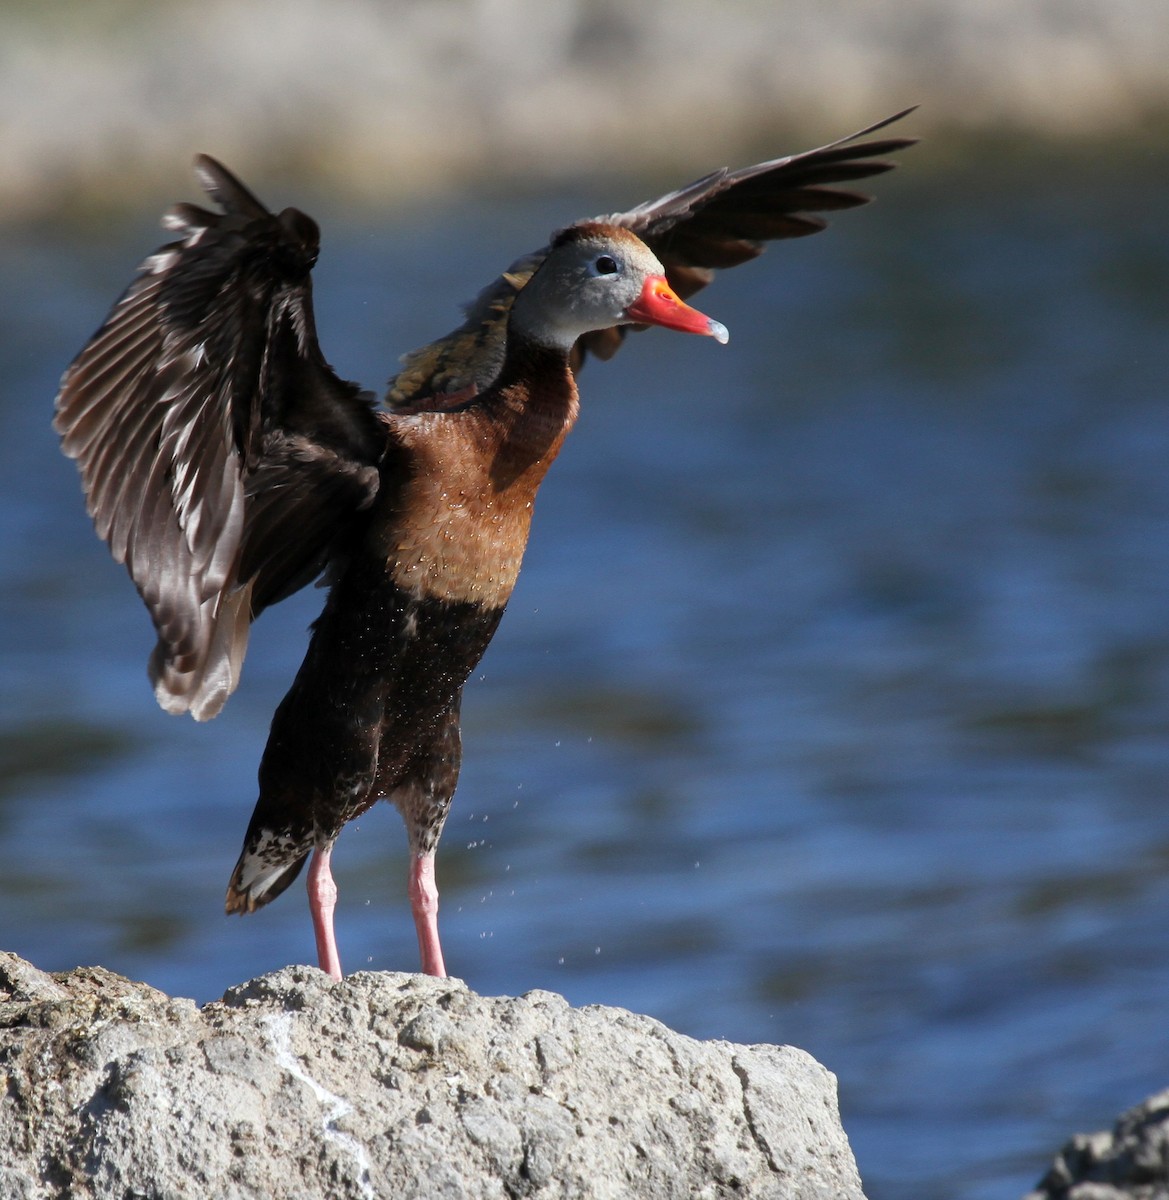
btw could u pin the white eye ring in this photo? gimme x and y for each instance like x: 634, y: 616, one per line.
x: 605, y: 264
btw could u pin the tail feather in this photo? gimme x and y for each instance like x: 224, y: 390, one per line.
x: 268, y: 864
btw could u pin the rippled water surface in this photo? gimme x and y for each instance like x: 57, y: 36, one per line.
x: 832, y: 707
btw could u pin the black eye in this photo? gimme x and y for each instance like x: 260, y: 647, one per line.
x: 606, y: 265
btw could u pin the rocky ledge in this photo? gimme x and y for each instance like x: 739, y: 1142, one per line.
x: 1128, y: 1162
x: 390, y: 1085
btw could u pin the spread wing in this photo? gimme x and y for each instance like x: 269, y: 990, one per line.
x: 220, y: 455
x: 721, y: 220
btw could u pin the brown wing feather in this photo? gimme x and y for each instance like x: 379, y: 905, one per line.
x: 719, y: 221
x: 219, y: 453
x: 470, y: 356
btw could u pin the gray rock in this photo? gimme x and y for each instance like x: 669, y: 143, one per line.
x: 1130, y: 1163
x: 391, y: 1085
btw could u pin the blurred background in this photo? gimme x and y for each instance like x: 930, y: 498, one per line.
x: 833, y: 705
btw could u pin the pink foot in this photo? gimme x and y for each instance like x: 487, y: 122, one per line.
x: 424, y: 905
x: 322, y: 899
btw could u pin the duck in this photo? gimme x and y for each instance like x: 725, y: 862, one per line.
x: 226, y: 465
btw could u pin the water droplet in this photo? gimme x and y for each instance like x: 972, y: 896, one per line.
x: 597, y: 950
x: 560, y: 961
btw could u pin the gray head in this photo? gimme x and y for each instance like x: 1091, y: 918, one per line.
x: 596, y: 276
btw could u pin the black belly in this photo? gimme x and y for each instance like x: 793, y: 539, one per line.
x: 374, y: 702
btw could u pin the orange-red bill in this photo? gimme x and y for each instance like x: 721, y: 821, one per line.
x: 659, y: 305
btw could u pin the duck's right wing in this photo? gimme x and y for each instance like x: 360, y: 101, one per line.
x: 220, y: 455
x: 721, y: 220
x: 727, y: 218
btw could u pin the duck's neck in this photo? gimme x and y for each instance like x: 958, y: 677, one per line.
x: 533, y: 404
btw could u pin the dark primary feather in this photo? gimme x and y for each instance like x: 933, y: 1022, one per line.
x: 219, y: 452
x: 719, y: 221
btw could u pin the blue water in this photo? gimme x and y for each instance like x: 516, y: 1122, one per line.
x: 832, y: 707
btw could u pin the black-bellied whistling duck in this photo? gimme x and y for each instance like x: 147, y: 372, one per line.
x: 227, y: 466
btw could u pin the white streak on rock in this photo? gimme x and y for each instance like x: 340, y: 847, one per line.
x: 280, y: 1027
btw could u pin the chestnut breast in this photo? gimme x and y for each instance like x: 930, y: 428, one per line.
x: 457, y: 523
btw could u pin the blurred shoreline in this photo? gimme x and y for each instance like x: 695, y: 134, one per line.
x: 102, y: 104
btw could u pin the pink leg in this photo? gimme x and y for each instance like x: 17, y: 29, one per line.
x: 424, y: 905
x: 322, y: 899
